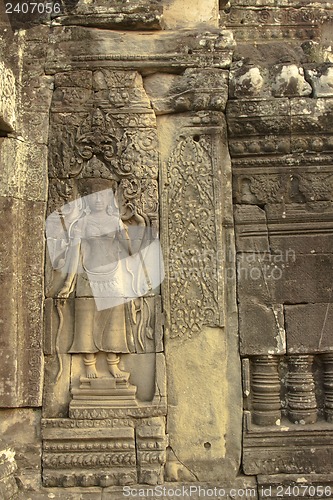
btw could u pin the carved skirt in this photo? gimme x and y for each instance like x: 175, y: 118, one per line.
x: 101, y: 330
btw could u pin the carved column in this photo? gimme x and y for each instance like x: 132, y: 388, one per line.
x: 266, y: 401
x: 302, y: 404
x: 197, y: 296
x: 328, y: 385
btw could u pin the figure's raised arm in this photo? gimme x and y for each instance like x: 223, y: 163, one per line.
x: 132, y: 234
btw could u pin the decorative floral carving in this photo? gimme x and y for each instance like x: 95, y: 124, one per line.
x: 316, y: 187
x: 60, y: 460
x: 192, y: 238
x: 266, y: 188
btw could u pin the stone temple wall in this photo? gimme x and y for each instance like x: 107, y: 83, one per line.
x: 209, y: 127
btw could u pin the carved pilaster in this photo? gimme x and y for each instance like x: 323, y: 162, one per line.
x: 266, y: 401
x: 328, y: 386
x: 302, y: 404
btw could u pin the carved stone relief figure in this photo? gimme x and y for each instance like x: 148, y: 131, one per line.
x: 104, y: 268
x: 96, y: 238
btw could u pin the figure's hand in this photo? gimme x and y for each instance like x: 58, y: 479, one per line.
x: 64, y: 292
x: 136, y: 216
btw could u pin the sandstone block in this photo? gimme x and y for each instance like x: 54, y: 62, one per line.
x: 248, y: 82
x: 321, y: 80
x: 289, y: 80
x: 309, y: 327
x: 251, y: 229
x: 190, y: 14
x: 261, y: 329
x: 285, y: 278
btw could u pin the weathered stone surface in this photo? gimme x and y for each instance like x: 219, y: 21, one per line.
x: 8, y: 488
x: 301, y: 397
x: 257, y: 80
x: 22, y: 370
x: 56, y: 395
x: 258, y: 321
x: 321, y: 78
x: 251, y: 229
x: 191, y: 48
x: 112, y: 442
x: 308, y: 328
x: 287, y: 449
x: 316, y: 114
x: 138, y: 15
x: 301, y: 228
x: 151, y: 443
x: 24, y: 173
x: 100, y: 456
x: 189, y: 410
x: 21, y: 429
x: 262, y: 388
x: 248, y: 81
x: 7, y: 460
x: 191, y: 333
x: 58, y: 494
x: 266, y: 20
x: 196, y: 90
x: 283, y: 183
x: 8, y: 99
x: 272, y: 279
x: 304, y: 191
x: 289, y: 81
x: 190, y: 14
x: 38, y: 129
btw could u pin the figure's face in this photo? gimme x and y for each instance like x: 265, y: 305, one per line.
x: 98, y: 201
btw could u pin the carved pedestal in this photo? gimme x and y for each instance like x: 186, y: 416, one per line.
x: 266, y: 401
x: 103, y: 392
x: 328, y: 386
x: 302, y: 405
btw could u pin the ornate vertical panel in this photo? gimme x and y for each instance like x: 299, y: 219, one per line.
x: 201, y: 337
x: 194, y: 243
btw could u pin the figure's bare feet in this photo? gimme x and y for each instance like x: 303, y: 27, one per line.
x: 91, y: 371
x: 90, y: 364
x: 116, y: 372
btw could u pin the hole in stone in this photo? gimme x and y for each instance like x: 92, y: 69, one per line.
x: 196, y: 138
x: 207, y: 446
x: 190, y: 51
